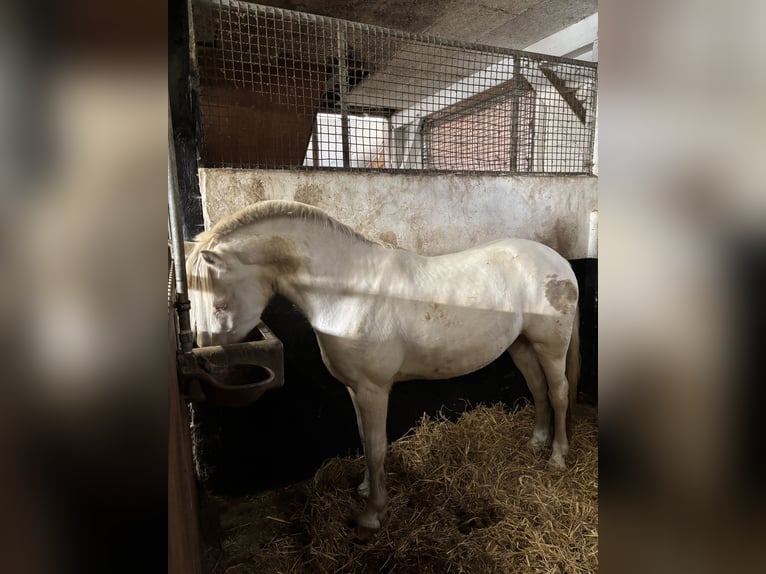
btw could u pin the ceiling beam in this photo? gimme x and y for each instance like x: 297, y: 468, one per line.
x: 570, y: 40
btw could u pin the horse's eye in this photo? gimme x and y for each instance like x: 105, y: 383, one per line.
x: 220, y: 306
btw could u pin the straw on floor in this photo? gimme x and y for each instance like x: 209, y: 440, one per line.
x: 465, y: 496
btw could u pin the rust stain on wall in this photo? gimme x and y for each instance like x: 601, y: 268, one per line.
x: 309, y: 193
x: 389, y: 238
x: 559, y: 235
x: 256, y: 191
x: 231, y: 195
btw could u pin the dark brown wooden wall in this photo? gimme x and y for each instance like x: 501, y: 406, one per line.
x: 245, y: 127
x: 183, y: 527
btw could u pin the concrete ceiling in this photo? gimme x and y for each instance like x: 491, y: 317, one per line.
x: 505, y: 23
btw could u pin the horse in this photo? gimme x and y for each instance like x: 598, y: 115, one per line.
x: 384, y: 314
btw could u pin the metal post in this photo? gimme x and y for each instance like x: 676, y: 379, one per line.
x: 179, y: 258
x: 343, y: 80
x: 515, y: 92
x: 591, y: 165
x: 315, y: 143
x: 592, y: 118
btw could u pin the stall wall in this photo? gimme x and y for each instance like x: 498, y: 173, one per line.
x: 427, y: 213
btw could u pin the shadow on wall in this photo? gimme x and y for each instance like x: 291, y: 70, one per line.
x: 289, y: 432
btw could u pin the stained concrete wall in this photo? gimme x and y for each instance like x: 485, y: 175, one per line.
x: 426, y: 213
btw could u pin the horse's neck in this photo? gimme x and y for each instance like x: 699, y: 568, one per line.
x: 331, y: 262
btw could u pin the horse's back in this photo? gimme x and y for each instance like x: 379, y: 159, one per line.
x: 466, y: 308
x: 545, y: 276
x: 544, y: 284
x: 526, y: 254
x: 504, y: 268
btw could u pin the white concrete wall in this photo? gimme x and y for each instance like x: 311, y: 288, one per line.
x: 426, y: 213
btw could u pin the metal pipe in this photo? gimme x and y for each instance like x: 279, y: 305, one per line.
x: 588, y: 157
x: 315, y: 143
x: 515, y: 91
x: 176, y: 236
x: 343, y: 88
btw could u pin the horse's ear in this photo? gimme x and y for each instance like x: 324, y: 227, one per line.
x: 214, y: 260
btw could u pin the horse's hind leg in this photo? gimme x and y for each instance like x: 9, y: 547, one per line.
x: 526, y: 361
x: 364, y: 487
x: 553, y: 360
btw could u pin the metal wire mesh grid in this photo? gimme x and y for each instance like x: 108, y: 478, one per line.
x: 284, y: 89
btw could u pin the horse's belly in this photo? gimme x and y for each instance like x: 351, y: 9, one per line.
x: 451, y: 343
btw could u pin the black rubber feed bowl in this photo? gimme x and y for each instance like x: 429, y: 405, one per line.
x: 235, y: 385
x: 242, y: 376
x: 234, y: 375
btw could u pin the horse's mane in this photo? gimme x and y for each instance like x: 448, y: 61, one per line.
x: 272, y: 209
x: 199, y: 278
x: 200, y: 273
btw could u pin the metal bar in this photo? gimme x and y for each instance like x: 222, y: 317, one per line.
x: 315, y: 143
x: 343, y: 81
x: 177, y: 238
x: 589, y: 152
x: 515, y: 93
x: 532, y: 132
x: 192, y: 39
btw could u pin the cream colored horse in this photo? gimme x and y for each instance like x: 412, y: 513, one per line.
x: 384, y: 315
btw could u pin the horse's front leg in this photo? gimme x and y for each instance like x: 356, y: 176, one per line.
x: 372, y: 402
x: 364, y: 487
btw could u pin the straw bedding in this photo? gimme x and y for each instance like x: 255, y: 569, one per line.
x: 465, y: 496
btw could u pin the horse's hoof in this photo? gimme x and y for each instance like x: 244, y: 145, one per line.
x: 367, y: 522
x: 535, y: 445
x: 365, y: 534
x: 556, y: 462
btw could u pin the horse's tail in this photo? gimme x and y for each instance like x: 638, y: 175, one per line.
x: 573, y: 368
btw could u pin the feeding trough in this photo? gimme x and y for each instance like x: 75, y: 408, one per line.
x: 233, y: 375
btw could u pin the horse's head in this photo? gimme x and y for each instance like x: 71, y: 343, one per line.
x: 227, y: 296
